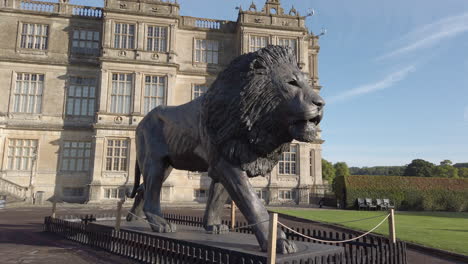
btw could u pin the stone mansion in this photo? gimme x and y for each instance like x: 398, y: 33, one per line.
x: 76, y: 80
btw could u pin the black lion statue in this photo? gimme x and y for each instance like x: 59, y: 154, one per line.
x: 236, y: 130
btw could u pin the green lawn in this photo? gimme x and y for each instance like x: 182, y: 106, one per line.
x: 444, y: 230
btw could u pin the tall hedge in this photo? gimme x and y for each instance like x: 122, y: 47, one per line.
x: 410, y: 193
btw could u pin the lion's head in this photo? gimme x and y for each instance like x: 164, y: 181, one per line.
x: 261, y: 101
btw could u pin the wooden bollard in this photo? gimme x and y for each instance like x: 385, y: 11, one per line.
x: 233, y: 214
x: 391, y: 226
x: 272, y: 238
x: 119, y: 216
x: 54, y: 209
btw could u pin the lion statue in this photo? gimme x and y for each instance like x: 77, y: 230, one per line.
x: 236, y: 130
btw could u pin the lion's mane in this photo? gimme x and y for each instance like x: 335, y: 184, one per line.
x: 239, y: 111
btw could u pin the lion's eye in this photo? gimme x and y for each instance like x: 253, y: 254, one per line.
x: 294, y: 83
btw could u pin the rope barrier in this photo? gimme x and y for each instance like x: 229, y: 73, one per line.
x: 362, y: 219
x: 229, y: 230
x: 334, y: 241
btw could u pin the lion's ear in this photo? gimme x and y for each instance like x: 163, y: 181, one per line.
x: 258, y: 67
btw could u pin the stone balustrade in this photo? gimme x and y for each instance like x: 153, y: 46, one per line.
x: 13, y: 189
x: 53, y: 8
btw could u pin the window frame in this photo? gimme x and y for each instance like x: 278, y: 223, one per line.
x: 283, y: 197
x: 206, y: 51
x: 143, y: 91
x: 110, y: 92
x: 14, y: 87
x: 20, y: 36
x: 196, y: 94
x: 114, y: 35
x: 295, y: 48
x: 199, y: 191
x: 282, y: 163
x: 119, y: 193
x: 76, y: 50
x: 113, y: 157
x: 32, y: 159
x: 75, y: 158
x: 88, y: 98
x: 250, y: 46
x: 166, y: 47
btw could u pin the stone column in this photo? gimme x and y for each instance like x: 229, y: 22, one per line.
x: 305, y: 179
x: 99, y: 159
x: 104, y: 83
x: 137, y: 93
x: 107, y: 34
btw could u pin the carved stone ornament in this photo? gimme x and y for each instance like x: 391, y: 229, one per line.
x: 293, y: 11
x: 122, y: 53
x: 155, y: 9
x: 155, y: 56
x: 123, y: 5
x: 253, y: 7
x: 118, y: 120
x: 258, y: 20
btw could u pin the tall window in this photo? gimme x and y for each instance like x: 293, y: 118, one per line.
x: 76, y: 156
x: 85, y: 42
x: 286, y: 194
x: 155, y: 92
x: 114, y: 193
x: 261, y: 193
x: 287, y: 162
x: 73, y: 192
x: 198, y: 90
x: 34, y: 36
x: 200, y: 193
x: 292, y: 43
x: 121, y: 94
x: 156, y: 38
x: 28, y: 93
x: 124, y: 36
x: 81, y: 96
x: 21, y: 153
x: 117, y: 151
x: 206, y: 51
x: 257, y: 42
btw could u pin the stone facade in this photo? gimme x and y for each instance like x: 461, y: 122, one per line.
x: 77, y: 80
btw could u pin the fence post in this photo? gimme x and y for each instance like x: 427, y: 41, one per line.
x: 272, y: 238
x: 233, y: 214
x: 391, y: 226
x: 54, y: 208
x: 119, y: 215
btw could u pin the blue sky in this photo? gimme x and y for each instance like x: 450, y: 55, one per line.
x: 394, y: 75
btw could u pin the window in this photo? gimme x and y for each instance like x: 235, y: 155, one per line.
x: 21, y: 153
x: 114, y: 193
x: 292, y: 43
x: 76, y: 156
x: 198, y: 90
x: 85, y: 42
x: 156, y: 39
x: 199, y: 193
x: 261, y: 193
x: 286, y: 194
x: 117, y: 150
x: 257, y: 42
x: 73, y: 192
x: 34, y: 36
x: 81, y: 96
x: 121, y: 94
x: 206, y: 51
x: 155, y: 92
x: 287, y: 162
x: 28, y: 93
x: 124, y: 36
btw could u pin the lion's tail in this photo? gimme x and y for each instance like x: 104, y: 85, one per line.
x: 137, y: 180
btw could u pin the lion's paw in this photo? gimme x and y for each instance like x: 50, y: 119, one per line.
x: 217, y: 229
x: 284, y: 246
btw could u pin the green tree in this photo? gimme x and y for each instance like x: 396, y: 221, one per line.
x: 463, y: 172
x: 446, y: 162
x: 341, y: 169
x: 445, y: 171
x: 328, y: 171
x: 419, y: 168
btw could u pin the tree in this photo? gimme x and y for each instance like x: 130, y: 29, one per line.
x: 328, y: 171
x: 341, y: 169
x: 445, y: 171
x: 446, y: 162
x: 463, y: 172
x: 419, y: 168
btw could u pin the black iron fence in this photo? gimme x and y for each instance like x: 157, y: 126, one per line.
x: 370, y: 249
x: 150, y: 248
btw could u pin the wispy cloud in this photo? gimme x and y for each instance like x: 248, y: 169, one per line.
x: 386, y: 82
x: 430, y: 35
